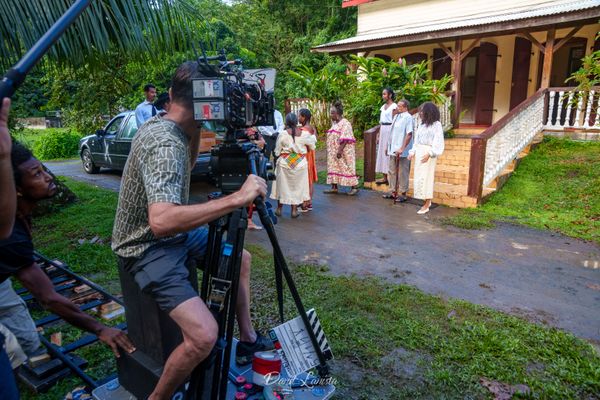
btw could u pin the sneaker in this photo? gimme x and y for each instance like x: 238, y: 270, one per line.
x: 245, y: 351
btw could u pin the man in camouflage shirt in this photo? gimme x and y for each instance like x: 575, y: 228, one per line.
x: 156, y: 232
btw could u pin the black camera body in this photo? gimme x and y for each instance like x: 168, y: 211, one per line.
x: 238, y: 100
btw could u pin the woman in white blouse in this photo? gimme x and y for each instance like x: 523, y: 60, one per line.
x: 428, y: 146
x: 385, y: 126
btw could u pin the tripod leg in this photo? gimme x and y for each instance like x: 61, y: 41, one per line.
x: 279, y: 287
x: 268, y: 224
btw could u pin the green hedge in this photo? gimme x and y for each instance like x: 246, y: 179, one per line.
x: 50, y: 144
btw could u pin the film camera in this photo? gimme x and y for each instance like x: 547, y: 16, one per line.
x: 236, y: 99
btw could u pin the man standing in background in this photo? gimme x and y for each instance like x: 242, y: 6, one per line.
x: 400, y: 144
x: 146, y: 110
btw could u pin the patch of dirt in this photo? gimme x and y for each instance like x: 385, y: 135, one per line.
x: 539, y: 317
x: 408, y: 367
x: 504, y: 391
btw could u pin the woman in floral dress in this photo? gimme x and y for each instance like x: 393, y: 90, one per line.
x: 341, y: 157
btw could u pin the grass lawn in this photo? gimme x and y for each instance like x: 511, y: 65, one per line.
x: 556, y: 187
x: 390, y: 341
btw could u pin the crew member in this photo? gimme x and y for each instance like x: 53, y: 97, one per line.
x: 156, y: 232
x: 34, y: 184
x: 146, y: 109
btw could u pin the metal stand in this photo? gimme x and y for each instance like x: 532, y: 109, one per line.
x: 219, y: 290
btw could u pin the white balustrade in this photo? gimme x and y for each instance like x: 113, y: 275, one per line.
x: 573, y: 102
x: 506, y: 144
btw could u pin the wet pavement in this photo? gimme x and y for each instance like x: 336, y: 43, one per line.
x: 539, y: 275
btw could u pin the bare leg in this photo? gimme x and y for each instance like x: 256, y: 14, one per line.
x: 200, y: 333
x: 242, y: 308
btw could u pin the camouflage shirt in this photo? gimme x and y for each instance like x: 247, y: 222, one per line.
x: 157, y: 171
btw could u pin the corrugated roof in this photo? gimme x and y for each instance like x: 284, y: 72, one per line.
x: 543, y: 10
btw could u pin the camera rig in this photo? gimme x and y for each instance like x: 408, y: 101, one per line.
x: 238, y: 100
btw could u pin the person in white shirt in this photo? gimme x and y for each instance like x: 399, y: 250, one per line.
x: 146, y: 110
x: 400, y: 144
x: 428, y: 146
x: 270, y: 134
x: 385, y: 126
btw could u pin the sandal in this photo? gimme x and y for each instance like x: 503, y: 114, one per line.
x: 381, y: 182
x: 278, y: 212
x: 255, y: 228
x: 389, y: 196
x: 295, y: 214
x: 352, y: 192
x: 330, y: 191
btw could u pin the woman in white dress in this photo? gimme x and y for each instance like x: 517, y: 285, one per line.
x: 385, y: 126
x: 291, y: 184
x: 428, y: 146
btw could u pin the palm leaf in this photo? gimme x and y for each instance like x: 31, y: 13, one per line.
x: 137, y: 27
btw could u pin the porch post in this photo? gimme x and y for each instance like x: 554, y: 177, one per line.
x: 548, y: 55
x: 457, y: 72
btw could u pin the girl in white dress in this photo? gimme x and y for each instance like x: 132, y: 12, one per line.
x: 385, y: 126
x: 428, y: 146
x: 291, y: 183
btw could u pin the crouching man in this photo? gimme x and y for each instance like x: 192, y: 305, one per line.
x: 156, y: 231
x: 34, y: 184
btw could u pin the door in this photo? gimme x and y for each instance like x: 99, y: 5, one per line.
x: 486, y: 83
x: 468, y: 87
x: 441, y: 65
x: 109, y: 138
x: 520, y: 72
x: 123, y: 141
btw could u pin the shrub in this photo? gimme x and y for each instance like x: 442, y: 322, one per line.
x: 56, y: 143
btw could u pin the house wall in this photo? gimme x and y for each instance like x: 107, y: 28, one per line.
x: 504, y: 62
x: 407, y: 13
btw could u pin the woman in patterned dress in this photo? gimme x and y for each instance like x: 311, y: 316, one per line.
x: 291, y: 183
x: 428, y: 146
x: 341, y: 159
x: 304, y: 117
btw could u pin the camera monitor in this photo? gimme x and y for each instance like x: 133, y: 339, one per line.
x: 209, y: 99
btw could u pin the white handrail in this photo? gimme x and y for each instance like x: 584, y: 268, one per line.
x: 506, y: 144
x: 563, y: 103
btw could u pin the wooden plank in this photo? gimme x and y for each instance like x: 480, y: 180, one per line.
x: 447, y: 50
x: 548, y: 56
x: 564, y: 40
x: 468, y: 50
x: 476, y: 168
x: 370, y: 136
x: 457, y: 73
x: 534, y: 41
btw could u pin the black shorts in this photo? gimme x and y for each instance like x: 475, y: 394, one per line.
x: 162, y: 271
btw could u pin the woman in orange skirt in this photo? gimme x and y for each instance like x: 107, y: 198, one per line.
x: 304, y: 117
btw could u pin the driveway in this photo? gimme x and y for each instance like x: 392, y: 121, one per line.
x: 539, y: 275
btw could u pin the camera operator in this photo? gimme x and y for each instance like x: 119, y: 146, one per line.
x: 157, y: 233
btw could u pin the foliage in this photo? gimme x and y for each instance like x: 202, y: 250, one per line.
x: 360, y: 90
x: 556, y: 187
x: 135, y: 27
x: 588, y: 75
x: 457, y: 342
x: 58, y: 143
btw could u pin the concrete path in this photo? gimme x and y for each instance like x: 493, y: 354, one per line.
x: 542, y: 276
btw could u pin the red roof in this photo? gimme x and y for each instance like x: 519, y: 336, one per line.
x: 350, y: 3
